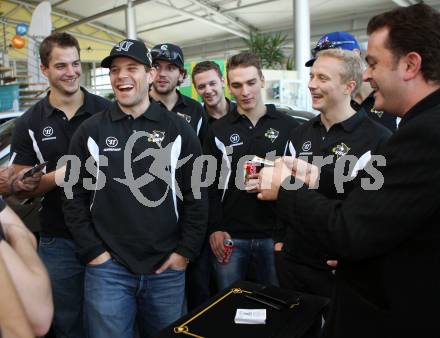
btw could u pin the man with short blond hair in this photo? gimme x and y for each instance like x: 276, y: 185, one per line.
x: 339, y: 131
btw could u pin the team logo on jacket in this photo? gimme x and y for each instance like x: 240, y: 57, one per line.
x: 377, y: 112
x: 272, y: 134
x: 234, y: 138
x: 111, y: 141
x: 47, y: 131
x: 156, y: 136
x: 306, y: 146
x: 185, y: 116
x: 340, y: 150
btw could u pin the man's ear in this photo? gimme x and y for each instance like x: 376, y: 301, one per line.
x: 152, y: 72
x: 263, y: 81
x: 350, y: 86
x: 412, y: 63
x: 182, y: 75
x: 44, y: 69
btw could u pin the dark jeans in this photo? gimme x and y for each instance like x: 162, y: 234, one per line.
x: 67, y: 278
x: 198, y: 278
x: 246, y: 251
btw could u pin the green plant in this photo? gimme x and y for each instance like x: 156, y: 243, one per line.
x: 268, y: 48
x: 290, y: 63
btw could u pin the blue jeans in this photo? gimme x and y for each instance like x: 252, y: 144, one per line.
x: 67, y: 278
x: 255, y: 253
x: 115, y: 298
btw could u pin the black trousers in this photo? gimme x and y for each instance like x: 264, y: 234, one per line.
x: 303, y: 278
x: 199, y: 286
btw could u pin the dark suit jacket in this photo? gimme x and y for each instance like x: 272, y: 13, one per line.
x: 387, y: 240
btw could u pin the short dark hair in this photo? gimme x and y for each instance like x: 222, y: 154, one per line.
x: 204, y: 66
x: 244, y: 60
x: 58, y: 39
x: 414, y: 28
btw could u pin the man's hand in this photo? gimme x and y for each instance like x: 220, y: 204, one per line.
x: 306, y: 172
x: 216, y: 241
x: 278, y: 246
x: 14, y: 233
x: 251, y: 184
x: 332, y: 263
x: 6, y: 177
x: 175, y: 262
x: 102, y: 258
x: 20, y: 184
x: 270, y: 178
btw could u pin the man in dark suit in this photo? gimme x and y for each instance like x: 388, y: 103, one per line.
x: 386, y: 238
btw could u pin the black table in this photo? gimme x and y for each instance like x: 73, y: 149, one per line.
x: 215, y: 319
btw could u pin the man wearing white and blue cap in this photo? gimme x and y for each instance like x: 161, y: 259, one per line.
x: 363, y: 99
x: 341, y: 40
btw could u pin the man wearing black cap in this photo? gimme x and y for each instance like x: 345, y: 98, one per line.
x: 140, y: 224
x: 169, y: 62
x: 42, y: 134
x: 363, y: 99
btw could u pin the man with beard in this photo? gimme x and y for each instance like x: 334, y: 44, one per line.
x: 136, y: 236
x: 338, y: 133
x: 169, y: 62
x: 42, y: 134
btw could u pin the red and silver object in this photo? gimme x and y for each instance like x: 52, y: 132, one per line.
x: 253, y: 167
x: 228, y: 245
x: 250, y: 168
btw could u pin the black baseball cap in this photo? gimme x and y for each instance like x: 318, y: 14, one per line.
x: 168, y: 52
x: 133, y: 49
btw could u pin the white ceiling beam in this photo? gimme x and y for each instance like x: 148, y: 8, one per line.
x: 153, y: 27
x: 99, y: 15
x: 217, y: 12
x: 239, y: 6
x: 236, y: 32
x: 405, y: 3
x: 59, y: 3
